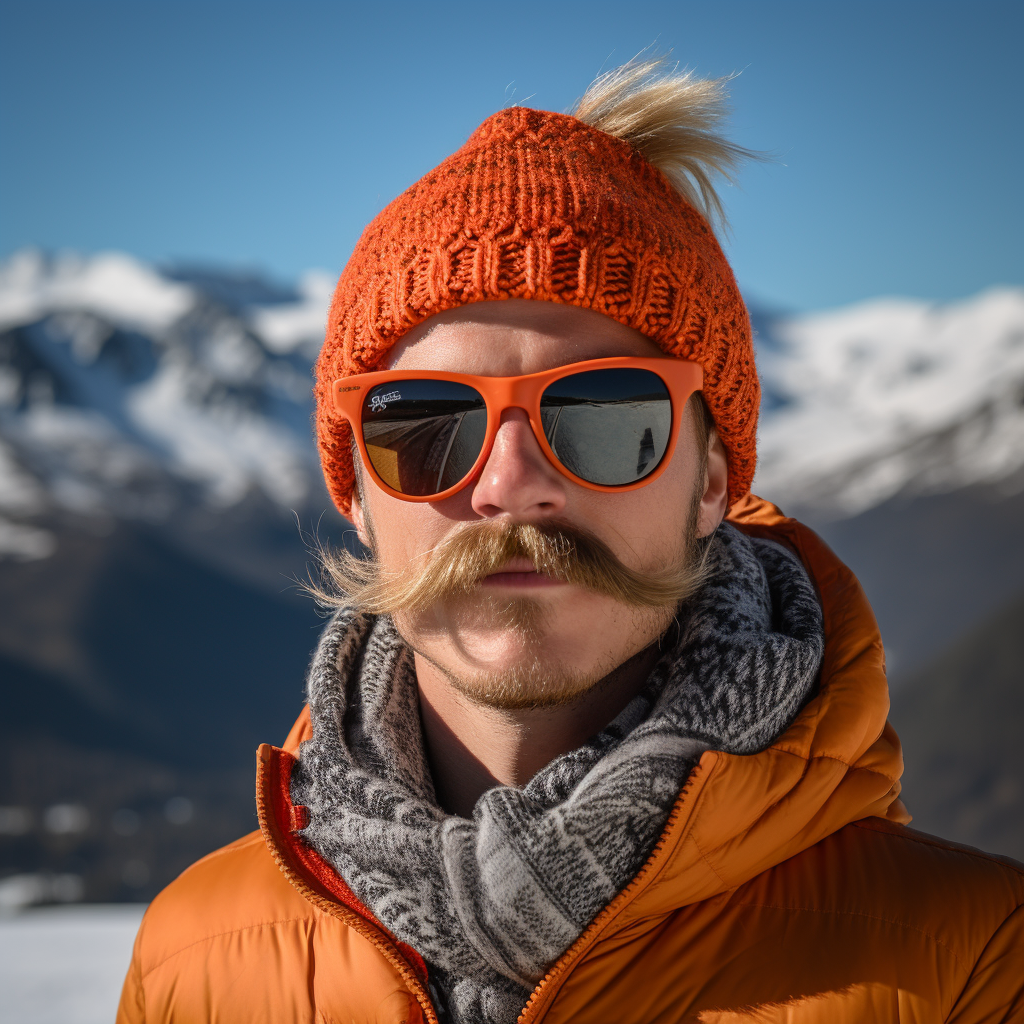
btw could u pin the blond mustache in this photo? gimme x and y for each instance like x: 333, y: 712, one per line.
x: 456, y: 566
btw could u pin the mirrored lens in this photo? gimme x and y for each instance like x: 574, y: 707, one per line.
x: 423, y: 436
x: 609, y: 427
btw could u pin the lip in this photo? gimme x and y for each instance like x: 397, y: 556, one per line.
x: 519, y: 573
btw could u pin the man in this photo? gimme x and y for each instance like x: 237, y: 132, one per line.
x: 595, y: 735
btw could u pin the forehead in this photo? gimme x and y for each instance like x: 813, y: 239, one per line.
x: 515, y: 336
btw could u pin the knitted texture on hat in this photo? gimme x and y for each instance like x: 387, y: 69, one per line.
x: 539, y: 205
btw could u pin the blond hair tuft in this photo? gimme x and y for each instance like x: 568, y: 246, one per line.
x: 675, y: 120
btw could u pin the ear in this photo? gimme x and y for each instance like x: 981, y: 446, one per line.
x: 715, y: 501
x: 358, y: 518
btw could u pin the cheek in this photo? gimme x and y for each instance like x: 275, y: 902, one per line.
x: 673, y: 493
x: 402, y: 529
x: 649, y: 521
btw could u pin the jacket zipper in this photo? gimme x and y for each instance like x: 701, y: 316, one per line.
x: 567, y: 960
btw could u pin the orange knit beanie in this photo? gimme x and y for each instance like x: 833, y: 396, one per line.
x: 538, y: 205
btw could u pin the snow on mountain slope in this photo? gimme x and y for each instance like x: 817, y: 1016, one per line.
x: 893, y: 397
x: 126, y: 391
x: 293, y: 325
x: 66, y: 964
x: 113, y: 286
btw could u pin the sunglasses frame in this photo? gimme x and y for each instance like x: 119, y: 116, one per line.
x: 681, y: 377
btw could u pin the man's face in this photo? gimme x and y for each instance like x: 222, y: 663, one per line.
x: 521, y: 635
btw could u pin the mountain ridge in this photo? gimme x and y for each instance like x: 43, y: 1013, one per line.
x: 894, y: 397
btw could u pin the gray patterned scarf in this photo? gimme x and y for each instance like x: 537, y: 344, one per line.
x: 491, y: 902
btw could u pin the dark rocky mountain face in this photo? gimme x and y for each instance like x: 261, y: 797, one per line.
x: 959, y: 717
x: 934, y: 566
x: 159, y: 484
x: 137, y: 683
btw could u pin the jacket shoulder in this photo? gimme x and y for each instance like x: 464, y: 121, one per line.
x: 920, y: 863
x: 235, y: 888
x: 231, y: 940
x: 955, y: 856
x: 902, y: 881
x: 876, y: 922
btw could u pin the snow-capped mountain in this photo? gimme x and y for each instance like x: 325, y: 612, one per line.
x: 130, y: 392
x: 893, y: 397
x: 134, y: 392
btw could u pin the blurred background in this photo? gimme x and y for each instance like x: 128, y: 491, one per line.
x: 183, y: 182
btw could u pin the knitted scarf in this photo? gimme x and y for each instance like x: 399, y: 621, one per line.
x: 491, y: 902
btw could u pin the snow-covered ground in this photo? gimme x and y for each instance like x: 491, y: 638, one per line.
x: 65, y: 965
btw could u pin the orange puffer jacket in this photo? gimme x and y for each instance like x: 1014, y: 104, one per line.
x: 785, y: 887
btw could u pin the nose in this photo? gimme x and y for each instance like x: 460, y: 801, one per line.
x: 517, y: 478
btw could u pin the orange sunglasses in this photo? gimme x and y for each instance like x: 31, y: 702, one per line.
x: 608, y: 424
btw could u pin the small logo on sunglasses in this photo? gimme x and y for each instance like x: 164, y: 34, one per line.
x: 380, y: 402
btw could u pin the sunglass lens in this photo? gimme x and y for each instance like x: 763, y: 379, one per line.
x: 423, y: 436
x: 609, y: 427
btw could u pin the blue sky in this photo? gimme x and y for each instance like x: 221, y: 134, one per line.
x: 267, y: 135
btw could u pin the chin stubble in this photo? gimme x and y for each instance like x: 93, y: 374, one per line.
x: 536, y: 680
